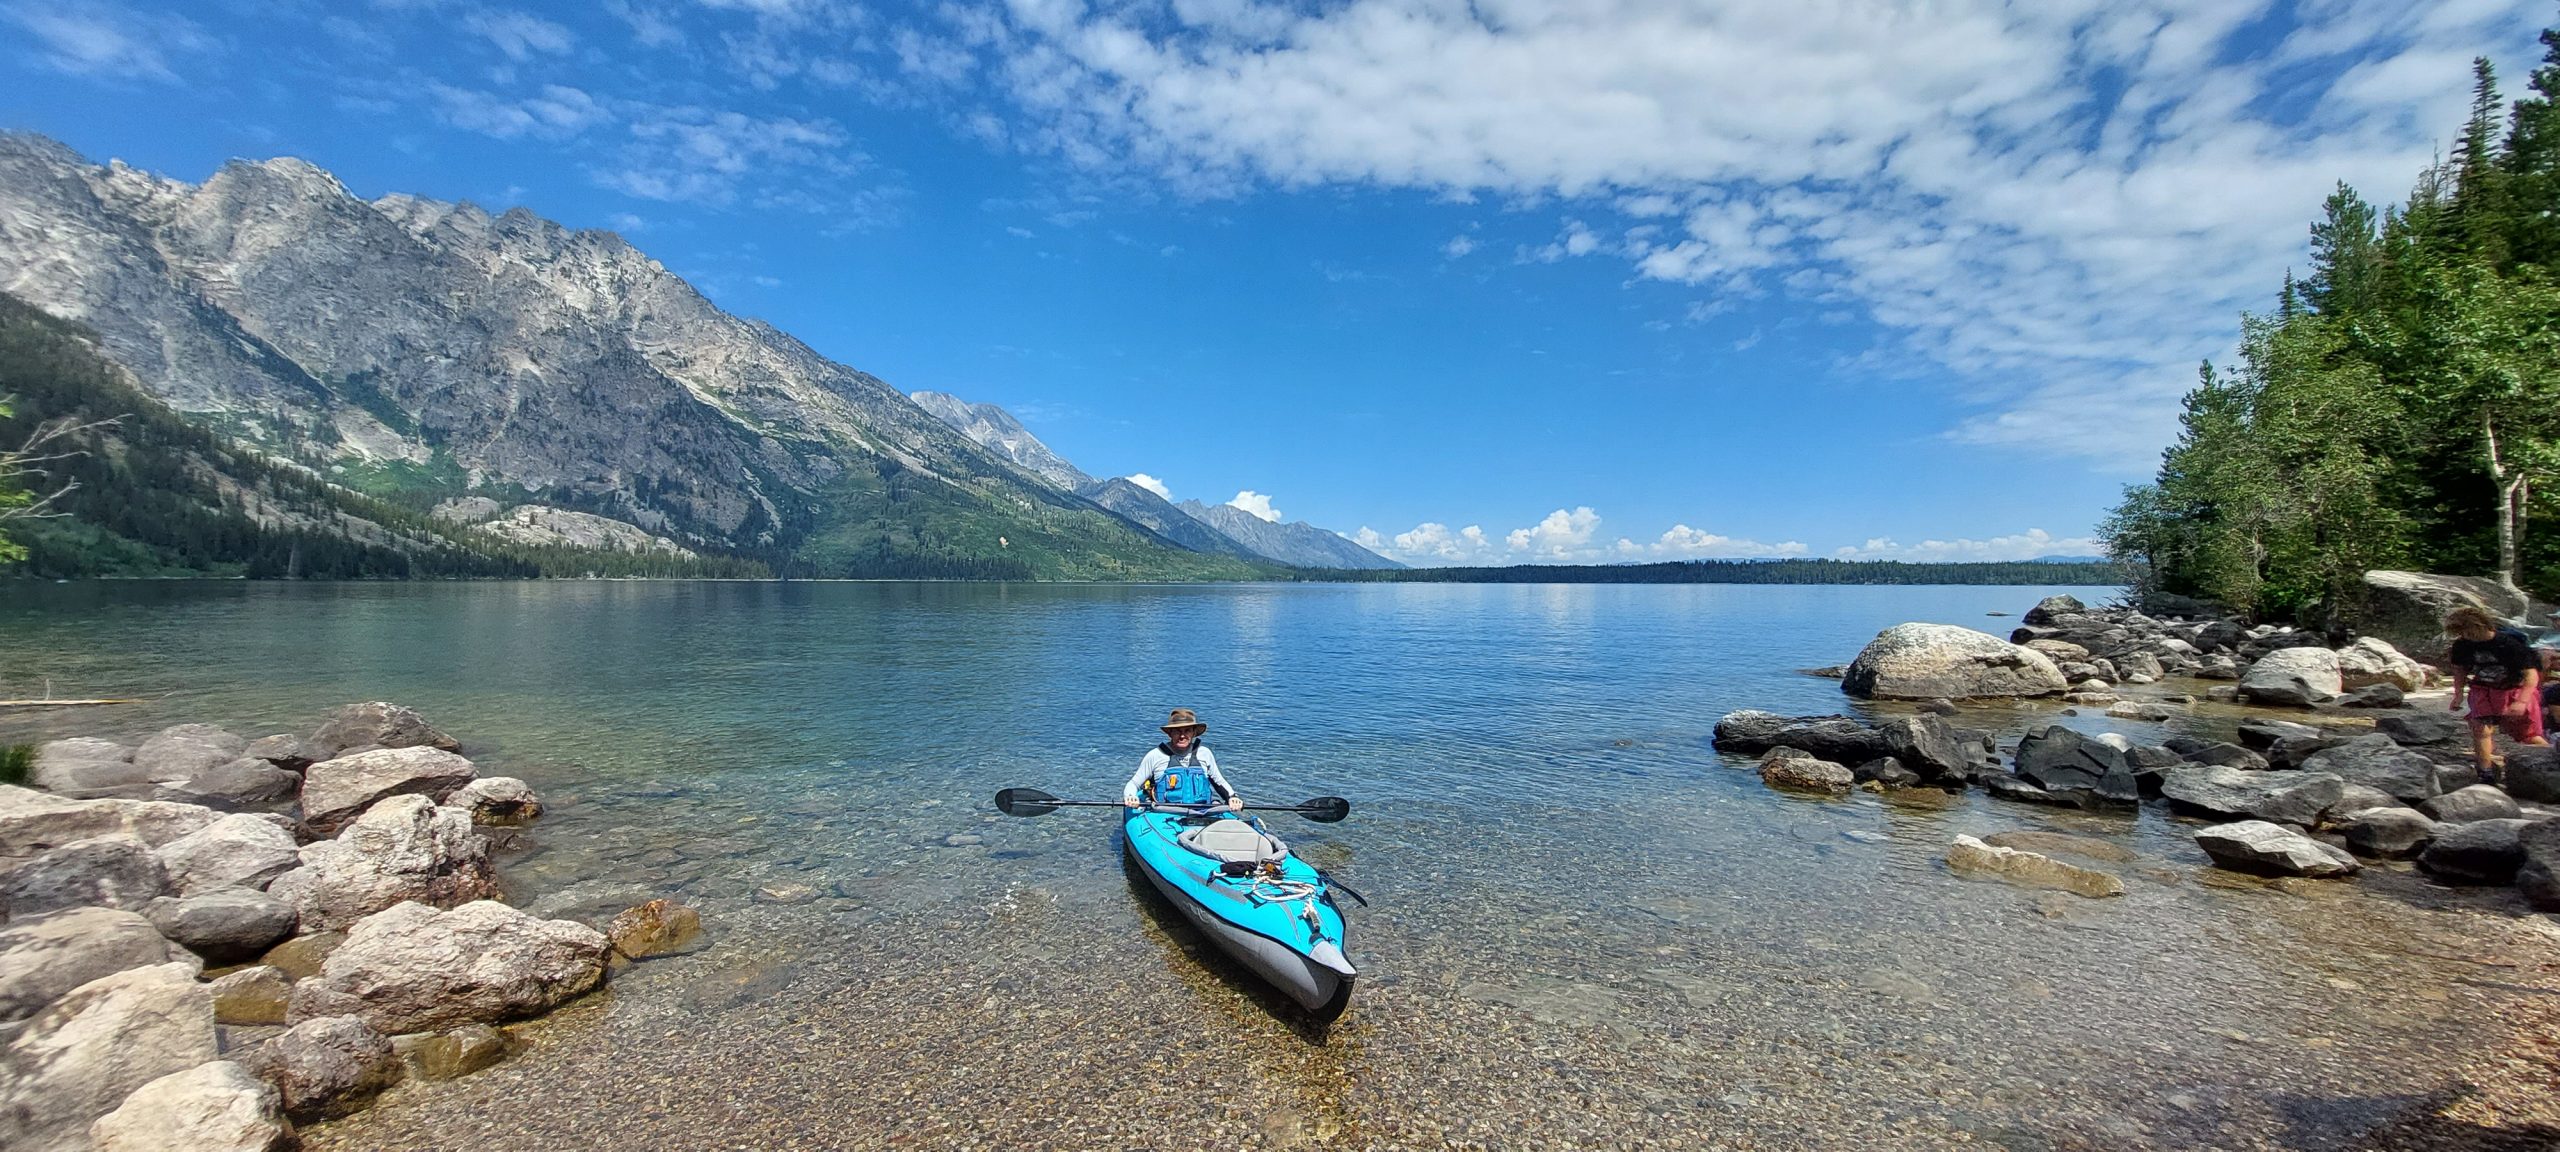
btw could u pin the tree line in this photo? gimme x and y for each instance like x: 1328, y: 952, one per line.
x: 2400, y: 405
x: 2028, y: 572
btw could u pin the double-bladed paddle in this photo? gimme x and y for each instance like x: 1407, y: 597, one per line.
x: 1034, y: 802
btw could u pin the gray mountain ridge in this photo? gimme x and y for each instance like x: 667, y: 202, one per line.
x: 1298, y: 543
x: 407, y: 345
x: 995, y: 430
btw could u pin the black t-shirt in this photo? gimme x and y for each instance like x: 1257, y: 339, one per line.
x: 2497, y: 662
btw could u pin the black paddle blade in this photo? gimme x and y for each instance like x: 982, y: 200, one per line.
x: 1324, y: 809
x: 1335, y: 881
x: 1026, y: 802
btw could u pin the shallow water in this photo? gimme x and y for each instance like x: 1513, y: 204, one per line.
x: 1588, y: 929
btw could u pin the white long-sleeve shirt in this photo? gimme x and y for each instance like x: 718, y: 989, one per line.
x: 1157, y: 760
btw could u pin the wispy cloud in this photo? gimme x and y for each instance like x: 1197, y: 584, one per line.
x: 2027, y: 545
x: 1564, y: 536
x: 2061, y: 204
x: 107, y: 41
x: 520, y: 36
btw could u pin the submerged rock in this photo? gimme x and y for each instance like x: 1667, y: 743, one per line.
x: 1926, y: 661
x: 253, y: 995
x: 1969, y: 856
x: 414, y: 969
x: 2272, y: 849
x: 451, y: 1055
x: 660, y: 927
x: 328, y: 1066
x: 213, y: 1107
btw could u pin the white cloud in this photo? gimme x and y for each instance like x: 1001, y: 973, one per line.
x: 1683, y: 542
x: 107, y: 41
x: 557, y: 112
x: 2027, y: 545
x: 1150, y: 483
x: 1457, y: 247
x: 2063, y: 203
x: 1563, y: 536
x: 1257, y: 504
x: 1433, y: 544
x: 519, y: 35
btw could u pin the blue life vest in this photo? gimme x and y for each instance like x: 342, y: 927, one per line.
x: 1184, y: 783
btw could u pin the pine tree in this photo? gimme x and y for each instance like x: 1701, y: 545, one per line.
x: 2346, y: 254
x: 2479, y: 184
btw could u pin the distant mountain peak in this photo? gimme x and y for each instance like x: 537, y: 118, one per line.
x: 996, y: 430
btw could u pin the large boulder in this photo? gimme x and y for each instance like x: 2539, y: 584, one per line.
x: 2372, y: 661
x: 337, y: 791
x: 328, y: 1066
x: 2424, y: 729
x: 213, y: 1107
x: 499, y: 800
x: 412, y: 968
x: 42, y: 957
x: 116, y: 871
x: 237, y: 851
x: 80, y: 1057
x: 185, y: 750
x: 2377, y: 762
x: 2533, y: 774
x: 2481, y: 852
x: 2293, y: 677
x: 405, y: 848
x: 1972, y: 857
x: 1844, y: 739
x: 243, y: 785
x: 2065, y: 763
x: 1941, y: 661
x: 2272, y: 849
x: 2407, y: 608
x: 32, y: 821
x: 378, y: 724
x: 225, y: 926
x: 2539, y: 877
x: 2046, y: 609
x: 2476, y: 802
x: 2357, y: 798
x: 2235, y: 794
x: 284, y: 750
x: 2389, y: 832
x: 82, y: 766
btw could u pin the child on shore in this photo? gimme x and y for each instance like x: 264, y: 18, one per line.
x: 2502, y: 678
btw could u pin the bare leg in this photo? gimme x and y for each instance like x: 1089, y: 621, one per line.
x: 2484, y: 747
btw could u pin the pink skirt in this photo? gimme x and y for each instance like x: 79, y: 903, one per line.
x: 2491, y: 704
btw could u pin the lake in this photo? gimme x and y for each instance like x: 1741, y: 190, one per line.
x: 1586, y: 927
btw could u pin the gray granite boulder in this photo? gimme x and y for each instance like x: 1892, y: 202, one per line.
x: 2378, y: 762
x: 1930, y: 661
x: 2063, y: 762
x: 284, y: 750
x: 2227, y: 754
x: 2424, y: 728
x: 2539, y: 877
x: 2476, y: 802
x: 2481, y: 852
x: 412, y: 968
x: 242, y: 785
x: 2292, y: 677
x: 2139, y: 667
x: 1842, y: 738
x: 337, y: 791
x: 213, y: 1107
x: 81, y: 1056
x: 378, y: 724
x: 2063, y: 604
x: 224, y: 926
x: 2407, y: 608
x: 1796, y: 771
x: 2235, y: 794
x: 186, y: 749
x: 2373, y: 696
x: 43, y: 957
x: 2261, y: 733
x: 404, y: 848
x: 2272, y: 849
x: 499, y: 800
x: 2357, y: 798
x: 328, y: 1066
x: 2533, y: 774
x: 32, y: 821
x: 82, y: 765
x: 115, y: 871
x: 237, y: 851
x: 2372, y: 661
x: 2395, y: 833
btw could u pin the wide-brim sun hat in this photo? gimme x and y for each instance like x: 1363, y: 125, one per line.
x: 1183, y: 719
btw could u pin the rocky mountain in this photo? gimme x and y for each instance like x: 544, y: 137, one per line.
x: 995, y: 430
x: 1298, y: 543
x: 418, y: 351
x: 1159, y: 514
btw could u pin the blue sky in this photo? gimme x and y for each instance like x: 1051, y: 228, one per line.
x: 1477, y: 282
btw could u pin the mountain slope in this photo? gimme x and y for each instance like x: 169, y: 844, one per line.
x: 994, y: 429
x: 420, y: 350
x: 1158, y: 514
x: 1299, y: 543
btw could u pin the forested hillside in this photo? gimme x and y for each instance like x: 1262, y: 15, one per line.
x: 2399, y: 407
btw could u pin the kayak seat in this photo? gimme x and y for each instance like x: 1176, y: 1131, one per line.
x: 1231, y: 840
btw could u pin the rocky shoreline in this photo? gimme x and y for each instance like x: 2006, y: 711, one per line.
x: 2352, y: 772
x: 206, y: 939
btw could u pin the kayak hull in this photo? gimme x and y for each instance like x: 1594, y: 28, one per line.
x: 1309, y: 966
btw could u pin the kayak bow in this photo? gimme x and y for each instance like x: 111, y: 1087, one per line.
x: 1244, y: 888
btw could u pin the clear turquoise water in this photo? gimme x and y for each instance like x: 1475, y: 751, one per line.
x: 1588, y: 926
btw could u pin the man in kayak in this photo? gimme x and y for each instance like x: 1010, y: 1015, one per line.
x: 1181, y: 772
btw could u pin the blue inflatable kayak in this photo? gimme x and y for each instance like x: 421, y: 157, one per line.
x: 1247, y: 892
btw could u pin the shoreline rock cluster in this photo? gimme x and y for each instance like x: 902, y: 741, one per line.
x: 206, y: 939
x: 2284, y: 799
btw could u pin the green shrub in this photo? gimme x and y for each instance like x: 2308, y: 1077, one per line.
x: 16, y: 760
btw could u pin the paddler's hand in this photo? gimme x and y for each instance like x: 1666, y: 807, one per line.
x: 1235, y: 803
x: 1125, y: 803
